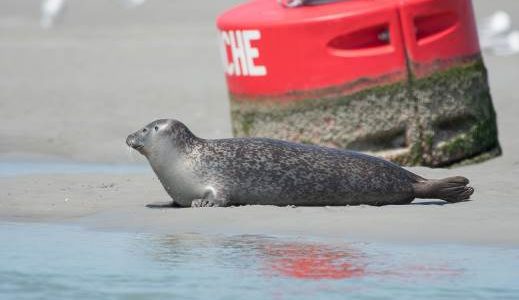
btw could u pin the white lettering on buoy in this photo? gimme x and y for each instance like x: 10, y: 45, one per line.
x: 242, y: 53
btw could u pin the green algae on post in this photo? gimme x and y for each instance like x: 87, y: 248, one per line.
x: 437, y: 120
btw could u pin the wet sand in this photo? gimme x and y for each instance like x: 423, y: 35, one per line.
x: 75, y: 92
x: 108, y: 201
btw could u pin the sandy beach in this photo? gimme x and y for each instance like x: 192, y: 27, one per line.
x: 75, y: 92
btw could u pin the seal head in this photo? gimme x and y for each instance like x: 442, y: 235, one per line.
x: 167, y: 145
x: 159, y: 136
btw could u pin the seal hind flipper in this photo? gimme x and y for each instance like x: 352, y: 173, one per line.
x: 450, y: 189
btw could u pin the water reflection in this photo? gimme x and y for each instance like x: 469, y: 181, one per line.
x: 72, y: 262
x: 273, y: 257
x: 313, y: 261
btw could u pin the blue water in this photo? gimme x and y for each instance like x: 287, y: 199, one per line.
x: 39, y: 261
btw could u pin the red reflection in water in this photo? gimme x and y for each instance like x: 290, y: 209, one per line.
x: 313, y: 261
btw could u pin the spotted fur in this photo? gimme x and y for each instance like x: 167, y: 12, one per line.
x: 239, y: 171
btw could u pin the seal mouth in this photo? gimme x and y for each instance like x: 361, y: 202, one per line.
x: 131, y: 142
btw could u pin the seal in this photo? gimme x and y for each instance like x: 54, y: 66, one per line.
x: 240, y: 171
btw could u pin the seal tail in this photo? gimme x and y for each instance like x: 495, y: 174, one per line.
x: 451, y: 189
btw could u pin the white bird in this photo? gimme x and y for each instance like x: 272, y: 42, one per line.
x: 50, y: 11
x: 133, y: 3
x: 497, y: 23
x: 495, y: 35
x: 506, y: 45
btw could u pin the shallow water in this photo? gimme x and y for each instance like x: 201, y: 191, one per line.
x: 39, y: 261
x: 20, y: 168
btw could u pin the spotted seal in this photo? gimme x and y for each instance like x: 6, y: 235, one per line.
x: 238, y: 171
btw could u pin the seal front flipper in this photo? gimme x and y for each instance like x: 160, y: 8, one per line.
x: 211, y: 198
x: 451, y: 189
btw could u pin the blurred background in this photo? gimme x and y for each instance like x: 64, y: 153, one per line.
x: 76, y: 77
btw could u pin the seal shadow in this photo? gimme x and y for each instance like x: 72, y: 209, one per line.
x: 439, y: 203
x: 436, y: 202
x: 162, y: 205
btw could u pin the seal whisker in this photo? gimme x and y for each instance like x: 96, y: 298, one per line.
x: 130, y: 153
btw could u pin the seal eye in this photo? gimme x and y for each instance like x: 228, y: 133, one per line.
x: 156, y: 128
